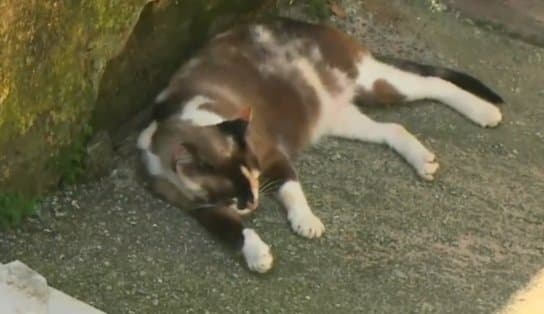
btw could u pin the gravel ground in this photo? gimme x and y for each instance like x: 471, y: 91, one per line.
x: 394, y: 244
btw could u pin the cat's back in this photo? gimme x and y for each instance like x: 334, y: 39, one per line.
x: 292, y: 73
x: 262, y: 59
x: 258, y: 42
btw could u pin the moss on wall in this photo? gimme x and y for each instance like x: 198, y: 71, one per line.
x: 52, y: 58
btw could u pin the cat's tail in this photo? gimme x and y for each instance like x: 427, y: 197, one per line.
x: 386, y: 80
x: 460, y: 79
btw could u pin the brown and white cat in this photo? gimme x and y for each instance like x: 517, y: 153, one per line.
x: 233, y: 118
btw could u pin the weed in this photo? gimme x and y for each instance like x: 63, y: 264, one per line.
x: 14, y: 207
x: 318, y: 9
x: 69, y: 162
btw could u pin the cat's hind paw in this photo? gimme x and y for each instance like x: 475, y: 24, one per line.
x: 486, y: 115
x: 256, y: 252
x: 426, y: 166
x: 305, y: 223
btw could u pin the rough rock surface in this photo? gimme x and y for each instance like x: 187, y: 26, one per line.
x: 53, y: 55
x: 69, y: 67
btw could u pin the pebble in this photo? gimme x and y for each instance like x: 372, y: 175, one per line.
x: 399, y: 274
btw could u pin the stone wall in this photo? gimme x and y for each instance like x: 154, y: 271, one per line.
x: 71, y: 68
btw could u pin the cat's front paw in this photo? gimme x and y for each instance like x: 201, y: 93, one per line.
x: 305, y: 223
x: 256, y: 252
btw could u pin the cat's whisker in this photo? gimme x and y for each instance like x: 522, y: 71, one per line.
x: 267, y: 184
x: 204, y: 206
x: 268, y: 189
x: 264, y: 188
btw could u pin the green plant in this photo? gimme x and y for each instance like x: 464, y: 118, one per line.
x: 69, y: 162
x: 14, y: 208
x: 318, y: 9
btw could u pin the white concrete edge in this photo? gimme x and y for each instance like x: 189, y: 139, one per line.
x: 61, y: 303
x: 23, y: 290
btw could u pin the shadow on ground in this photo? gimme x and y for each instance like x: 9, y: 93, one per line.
x: 394, y: 244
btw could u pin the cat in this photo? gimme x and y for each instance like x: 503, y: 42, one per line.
x: 234, y: 117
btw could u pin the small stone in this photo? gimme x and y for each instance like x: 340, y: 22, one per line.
x: 427, y: 308
x: 399, y: 274
x: 58, y: 213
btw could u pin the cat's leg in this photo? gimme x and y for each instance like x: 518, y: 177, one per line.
x: 407, y: 81
x: 353, y: 124
x: 290, y: 194
x: 227, y: 226
x: 300, y: 215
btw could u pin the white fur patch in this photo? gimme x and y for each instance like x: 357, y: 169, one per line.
x: 414, y: 87
x: 188, y: 67
x: 192, y: 112
x: 398, y: 138
x: 263, y: 35
x: 329, y: 103
x: 476, y: 109
x: 353, y: 124
x: 162, y: 96
x: 144, y: 140
x: 224, y: 34
x: 299, y: 214
x: 256, y: 252
x: 154, y: 166
x: 295, y: 58
x: 152, y: 161
x: 410, y: 85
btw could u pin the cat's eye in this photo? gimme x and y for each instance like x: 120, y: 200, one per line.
x: 203, y: 165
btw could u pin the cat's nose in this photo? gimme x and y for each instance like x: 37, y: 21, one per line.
x: 244, y: 208
x: 252, y: 205
x: 247, y: 205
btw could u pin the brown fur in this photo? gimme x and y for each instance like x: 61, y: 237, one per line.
x: 382, y: 93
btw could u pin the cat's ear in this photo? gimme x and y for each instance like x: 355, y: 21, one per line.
x: 236, y: 128
x: 246, y: 114
x: 180, y: 157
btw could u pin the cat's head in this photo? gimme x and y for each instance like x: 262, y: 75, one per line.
x: 217, y: 165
